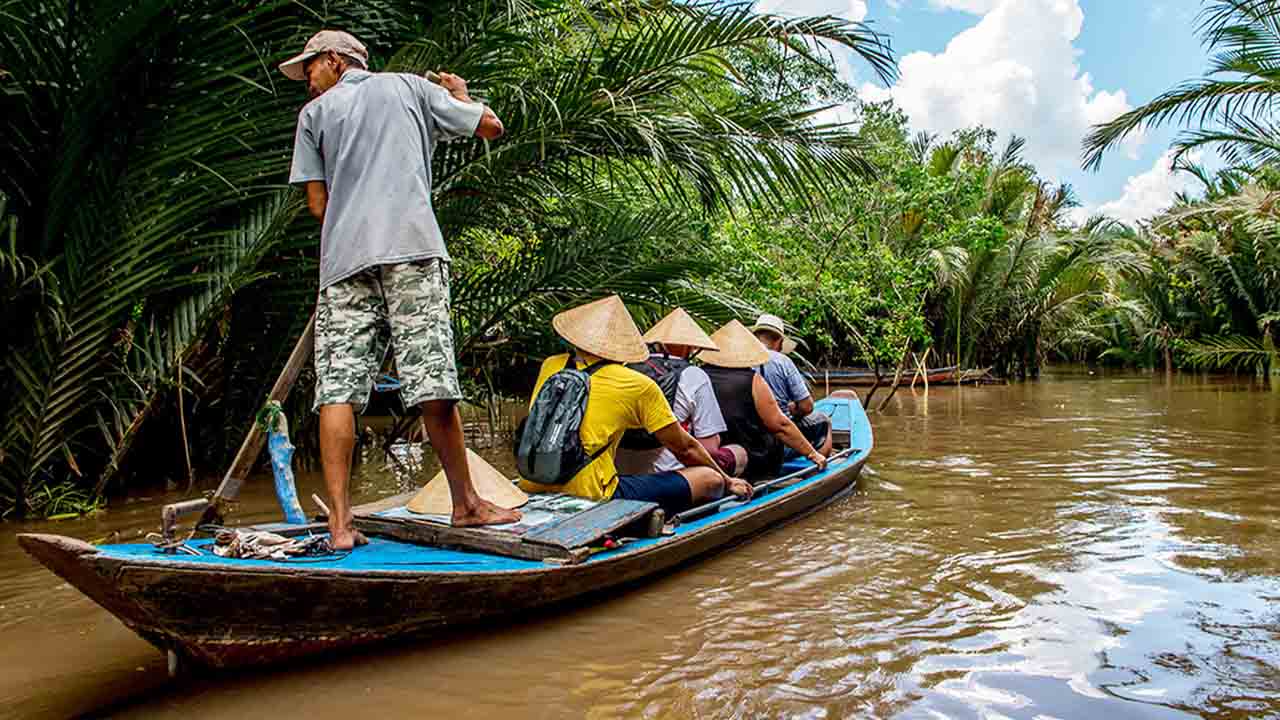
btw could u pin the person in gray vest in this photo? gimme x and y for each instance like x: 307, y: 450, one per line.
x: 363, y: 152
x: 788, y: 384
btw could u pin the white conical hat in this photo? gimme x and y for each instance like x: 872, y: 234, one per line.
x: 739, y: 348
x: 434, y: 498
x: 603, y: 328
x: 677, y: 328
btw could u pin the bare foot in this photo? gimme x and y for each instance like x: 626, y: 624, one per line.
x: 346, y: 538
x: 484, y: 513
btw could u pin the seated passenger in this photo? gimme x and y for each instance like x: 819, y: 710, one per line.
x: 673, y: 341
x: 603, y: 337
x: 750, y: 411
x: 788, y: 384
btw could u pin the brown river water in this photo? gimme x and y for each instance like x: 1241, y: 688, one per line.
x: 1078, y: 547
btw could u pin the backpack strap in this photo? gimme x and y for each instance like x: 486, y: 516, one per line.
x: 592, y: 457
x: 591, y: 370
x: 593, y: 367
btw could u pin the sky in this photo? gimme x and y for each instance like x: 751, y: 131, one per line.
x: 1043, y: 69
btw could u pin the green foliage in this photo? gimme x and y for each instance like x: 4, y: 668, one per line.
x: 952, y: 247
x: 150, y: 238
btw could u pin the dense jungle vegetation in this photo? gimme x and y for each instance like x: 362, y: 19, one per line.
x: 156, y: 271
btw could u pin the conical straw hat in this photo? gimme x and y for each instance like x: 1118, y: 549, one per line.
x: 603, y: 328
x: 739, y: 348
x: 434, y: 498
x: 677, y: 328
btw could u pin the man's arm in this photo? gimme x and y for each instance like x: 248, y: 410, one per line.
x: 801, y: 408
x: 317, y: 199
x: 490, y: 127
x: 780, y: 425
x: 691, y: 453
x: 711, y: 442
x: 799, y: 389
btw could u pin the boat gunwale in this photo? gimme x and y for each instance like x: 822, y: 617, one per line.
x: 642, y: 547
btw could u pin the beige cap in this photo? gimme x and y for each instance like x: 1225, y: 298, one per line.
x: 434, y: 498
x: 343, y: 43
x: 739, y: 348
x: 603, y: 328
x: 774, y: 324
x: 677, y: 328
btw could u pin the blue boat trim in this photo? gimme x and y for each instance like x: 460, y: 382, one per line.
x: 384, y: 555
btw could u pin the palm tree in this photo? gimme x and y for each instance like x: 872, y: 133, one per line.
x: 144, y: 147
x: 1231, y: 246
x: 1232, y: 105
x: 1024, y: 280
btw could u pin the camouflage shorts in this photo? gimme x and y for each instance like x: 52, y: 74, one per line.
x: 404, y: 307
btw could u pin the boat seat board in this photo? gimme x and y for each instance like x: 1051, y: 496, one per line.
x: 486, y: 540
x: 838, y: 410
x: 587, y: 527
x: 543, y: 511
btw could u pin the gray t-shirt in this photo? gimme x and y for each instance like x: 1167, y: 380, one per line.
x: 370, y: 139
x: 784, y: 379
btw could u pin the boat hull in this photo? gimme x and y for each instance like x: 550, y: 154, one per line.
x: 227, y: 615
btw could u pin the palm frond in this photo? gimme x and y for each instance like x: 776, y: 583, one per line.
x: 1230, y: 352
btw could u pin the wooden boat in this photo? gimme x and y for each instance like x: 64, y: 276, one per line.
x: 226, y: 612
x: 860, y: 377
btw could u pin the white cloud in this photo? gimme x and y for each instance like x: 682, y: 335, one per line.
x: 854, y: 10
x: 1015, y: 71
x: 977, y: 7
x: 1147, y: 193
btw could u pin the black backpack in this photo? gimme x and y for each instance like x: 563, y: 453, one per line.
x: 664, y: 370
x: 549, y: 441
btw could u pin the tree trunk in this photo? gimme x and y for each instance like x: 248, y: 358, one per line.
x: 897, y: 378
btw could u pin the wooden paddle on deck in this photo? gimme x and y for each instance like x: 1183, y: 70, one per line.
x: 229, y: 489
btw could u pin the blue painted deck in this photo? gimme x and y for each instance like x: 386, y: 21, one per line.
x: 385, y: 555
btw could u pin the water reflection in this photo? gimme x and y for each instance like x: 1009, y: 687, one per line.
x: 1078, y: 547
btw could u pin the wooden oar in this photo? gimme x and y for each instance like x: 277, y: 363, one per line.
x: 713, y: 507
x: 229, y: 489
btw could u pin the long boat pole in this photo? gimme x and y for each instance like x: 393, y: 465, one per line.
x: 251, y: 447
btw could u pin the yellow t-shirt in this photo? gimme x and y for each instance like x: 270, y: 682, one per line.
x: 621, y: 399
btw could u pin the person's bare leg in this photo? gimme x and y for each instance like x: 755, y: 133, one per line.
x: 826, y: 444
x: 337, y: 440
x: 705, y: 484
x: 444, y: 428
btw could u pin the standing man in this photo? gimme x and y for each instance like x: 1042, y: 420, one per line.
x: 363, y: 151
x: 788, y: 385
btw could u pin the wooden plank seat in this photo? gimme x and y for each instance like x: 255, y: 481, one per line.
x: 585, y: 528
x: 557, y: 528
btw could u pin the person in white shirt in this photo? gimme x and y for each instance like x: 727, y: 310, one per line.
x: 676, y: 339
